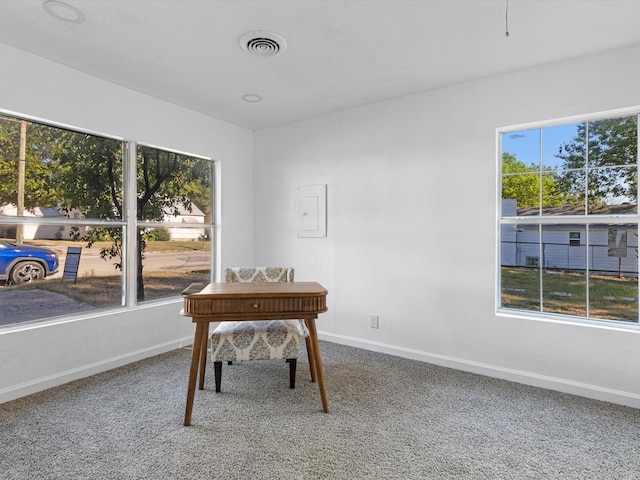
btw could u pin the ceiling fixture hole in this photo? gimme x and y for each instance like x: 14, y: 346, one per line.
x: 262, y: 43
x: 63, y: 11
x: 251, y: 98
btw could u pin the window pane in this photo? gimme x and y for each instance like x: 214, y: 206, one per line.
x: 173, y: 187
x: 613, y: 191
x: 522, y: 192
x: 520, y: 272
x: 613, y: 142
x: 564, y: 192
x: 613, y: 272
x: 57, y: 172
x: 173, y: 259
x: 92, y: 281
x: 564, y: 292
x: 564, y: 275
x: 520, y: 288
x: 521, y: 151
x: 563, y: 147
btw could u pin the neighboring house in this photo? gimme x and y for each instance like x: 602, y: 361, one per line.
x: 39, y: 232
x: 612, y: 248
x: 63, y: 232
x: 194, y: 216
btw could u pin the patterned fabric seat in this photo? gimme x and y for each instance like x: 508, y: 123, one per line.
x: 261, y: 339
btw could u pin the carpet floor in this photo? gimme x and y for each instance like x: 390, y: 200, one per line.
x: 390, y: 418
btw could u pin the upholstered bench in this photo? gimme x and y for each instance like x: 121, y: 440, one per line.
x: 260, y: 339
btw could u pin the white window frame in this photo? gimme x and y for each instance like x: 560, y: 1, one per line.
x: 129, y: 222
x: 541, y: 220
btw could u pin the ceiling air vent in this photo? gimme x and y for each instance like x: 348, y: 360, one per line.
x: 262, y: 43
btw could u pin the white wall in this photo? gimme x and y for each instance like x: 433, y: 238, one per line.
x: 412, y: 225
x: 410, y: 182
x: 51, y: 353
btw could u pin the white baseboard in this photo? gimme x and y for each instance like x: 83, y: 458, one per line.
x: 39, y: 384
x: 528, y: 378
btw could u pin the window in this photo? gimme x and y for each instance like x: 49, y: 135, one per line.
x: 174, y: 228
x: 574, y: 239
x: 569, y: 200
x: 61, y: 188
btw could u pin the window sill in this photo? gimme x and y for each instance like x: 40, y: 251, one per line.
x: 573, y: 321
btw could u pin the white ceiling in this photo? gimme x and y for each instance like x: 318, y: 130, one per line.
x: 341, y: 53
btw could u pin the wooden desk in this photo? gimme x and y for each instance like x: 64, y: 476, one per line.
x: 220, y: 302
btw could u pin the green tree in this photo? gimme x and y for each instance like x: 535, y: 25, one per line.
x: 76, y: 171
x: 89, y: 174
x: 609, y: 158
x: 523, y: 183
x: 40, y: 188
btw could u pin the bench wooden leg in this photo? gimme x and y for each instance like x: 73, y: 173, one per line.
x: 217, y: 372
x: 292, y: 372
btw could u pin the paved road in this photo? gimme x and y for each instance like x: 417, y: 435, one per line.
x: 18, y: 306
x: 92, y: 265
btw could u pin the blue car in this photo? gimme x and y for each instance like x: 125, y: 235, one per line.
x: 26, y: 263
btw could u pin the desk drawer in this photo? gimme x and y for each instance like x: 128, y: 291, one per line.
x: 253, y: 306
x: 257, y: 305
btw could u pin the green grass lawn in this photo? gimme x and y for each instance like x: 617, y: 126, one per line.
x: 60, y: 246
x: 610, y: 297
x: 106, y: 291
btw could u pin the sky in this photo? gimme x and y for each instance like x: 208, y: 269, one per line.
x: 525, y: 144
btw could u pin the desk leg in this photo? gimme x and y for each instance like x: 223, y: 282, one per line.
x: 313, y: 334
x: 193, y: 372
x: 312, y: 362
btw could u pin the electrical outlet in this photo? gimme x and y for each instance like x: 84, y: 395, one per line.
x: 374, y: 321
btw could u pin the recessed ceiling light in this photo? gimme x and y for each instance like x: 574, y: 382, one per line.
x: 63, y: 11
x: 262, y: 43
x: 251, y: 98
